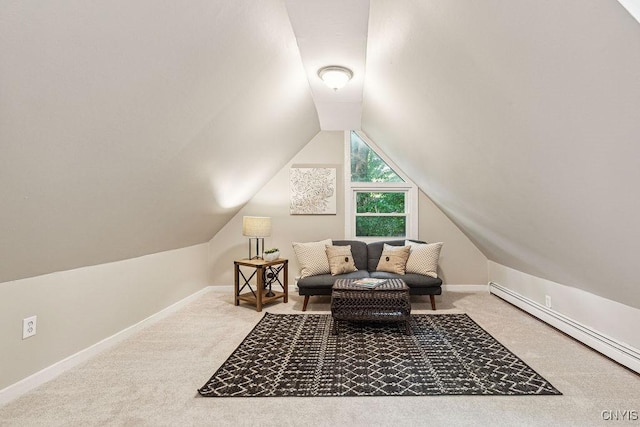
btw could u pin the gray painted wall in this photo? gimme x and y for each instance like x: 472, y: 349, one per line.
x: 129, y: 134
x: 520, y: 120
x: 126, y: 128
x: 76, y: 309
x: 460, y: 263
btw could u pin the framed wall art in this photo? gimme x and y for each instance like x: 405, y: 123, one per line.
x: 312, y: 191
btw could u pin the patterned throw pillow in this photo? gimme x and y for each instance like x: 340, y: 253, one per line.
x: 423, y: 258
x: 393, y: 259
x: 340, y: 259
x: 312, y: 257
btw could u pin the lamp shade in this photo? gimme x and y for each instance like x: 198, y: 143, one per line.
x: 256, y: 226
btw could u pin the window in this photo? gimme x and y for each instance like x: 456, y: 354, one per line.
x: 367, y: 166
x: 381, y: 202
x: 381, y: 214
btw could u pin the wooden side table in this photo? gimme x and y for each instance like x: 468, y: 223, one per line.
x: 267, y: 275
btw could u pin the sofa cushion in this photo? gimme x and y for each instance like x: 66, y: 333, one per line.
x: 374, y: 251
x: 312, y: 257
x: 322, y: 283
x: 423, y: 258
x: 412, y: 280
x: 340, y: 259
x: 358, y: 250
x: 393, y: 259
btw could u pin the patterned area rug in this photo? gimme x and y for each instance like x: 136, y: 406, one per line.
x: 446, y: 354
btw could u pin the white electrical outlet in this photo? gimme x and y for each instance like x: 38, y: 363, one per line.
x: 29, y: 327
x: 547, y: 301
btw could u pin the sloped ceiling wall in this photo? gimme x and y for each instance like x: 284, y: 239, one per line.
x: 521, y: 120
x: 132, y: 128
x: 129, y: 128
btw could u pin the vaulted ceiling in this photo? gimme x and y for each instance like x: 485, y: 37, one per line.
x: 127, y: 128
x: 521, y: 121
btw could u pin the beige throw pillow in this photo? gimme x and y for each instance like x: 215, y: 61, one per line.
x: 393, y: 259
x: 340, y: 259
x: 312, y: 257
x: 423, y: 258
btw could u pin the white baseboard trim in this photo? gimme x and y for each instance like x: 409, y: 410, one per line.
x: 222, y: 289
x: 610, y: 347
x: 465, y: 288
x: 47, y: 374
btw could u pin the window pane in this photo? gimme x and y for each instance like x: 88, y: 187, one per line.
x: 381, y: 226
x: 367, y: 166
x: 387, y: 202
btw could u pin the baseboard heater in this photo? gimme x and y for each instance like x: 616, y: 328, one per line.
x: 618, y: 351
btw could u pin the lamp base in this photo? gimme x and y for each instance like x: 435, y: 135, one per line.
x: 259, y: 241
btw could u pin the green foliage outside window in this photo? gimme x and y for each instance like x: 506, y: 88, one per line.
x: 379, y: 202
x: 381, y: 226
x: 385, y: 203
x: 367, y: 166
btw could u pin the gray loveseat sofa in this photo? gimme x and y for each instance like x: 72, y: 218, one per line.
x: 366, y: 257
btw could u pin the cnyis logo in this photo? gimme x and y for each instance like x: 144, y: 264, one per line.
x: 620, y: 415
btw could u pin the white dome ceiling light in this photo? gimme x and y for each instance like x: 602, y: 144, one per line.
x: 335, y: 76
x: 327, y: 38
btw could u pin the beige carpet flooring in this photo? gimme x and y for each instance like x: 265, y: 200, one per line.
x: 151, y: 378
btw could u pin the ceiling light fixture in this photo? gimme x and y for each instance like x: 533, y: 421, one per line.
x: 335, y: 76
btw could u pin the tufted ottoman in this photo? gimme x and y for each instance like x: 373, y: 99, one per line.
x: 387, y: 302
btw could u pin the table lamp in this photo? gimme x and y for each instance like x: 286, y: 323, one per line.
x: 256, y: 227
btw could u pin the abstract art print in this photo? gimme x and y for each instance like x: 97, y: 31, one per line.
x: 312, y: 191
